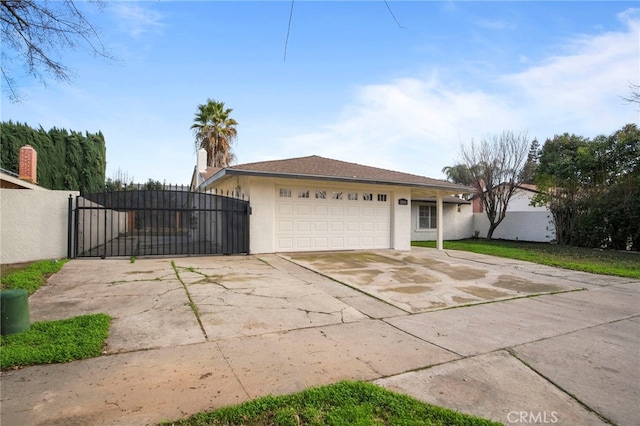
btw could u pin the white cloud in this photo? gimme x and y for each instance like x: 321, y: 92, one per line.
x: 417, y: 124
x: 583, y: 87
x: 497, y: 24
x: 135, y: 19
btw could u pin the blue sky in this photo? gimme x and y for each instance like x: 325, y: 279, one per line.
x: 356, y: 85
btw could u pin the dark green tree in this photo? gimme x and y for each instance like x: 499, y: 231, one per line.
x: 592, y: 188
x: 529, y: 169
x: 66, y: 160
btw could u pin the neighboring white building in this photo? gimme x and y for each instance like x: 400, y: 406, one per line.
x: 523, y: 222
x: 317, y: 204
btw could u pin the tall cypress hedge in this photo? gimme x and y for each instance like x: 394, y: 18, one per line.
x: 66, y: 160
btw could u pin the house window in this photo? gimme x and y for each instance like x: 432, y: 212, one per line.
x: 321, y: 194
x: 427, y: 217
x: 286, y: 193
x: 303, y: 194
x: 367, y: 197
x: 382, y: 197
x: 353, y: 196
x: 337, y: 195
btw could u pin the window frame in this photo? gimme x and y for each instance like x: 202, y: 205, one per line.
x: 431, y: 217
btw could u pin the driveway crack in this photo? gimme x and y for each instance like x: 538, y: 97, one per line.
x: 193, y: 306
x: 512, y: 352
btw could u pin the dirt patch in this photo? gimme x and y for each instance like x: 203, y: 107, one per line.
x: 485, y: 293
x: 460, y: 299
x: 510, y: 282
x: 412, y: 289
x: 409, y: 275
x: 365, y: 277
x: 9, y: 268
x: 338, y: 261
x: 435, y: 305
x: 456, y: 272
x: 231, y: 278
x: 208, y: 280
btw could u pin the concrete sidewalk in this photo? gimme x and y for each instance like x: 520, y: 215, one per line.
x: 266, y: 325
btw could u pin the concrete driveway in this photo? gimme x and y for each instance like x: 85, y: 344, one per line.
x: 526, y: 343
x: 424, y: 280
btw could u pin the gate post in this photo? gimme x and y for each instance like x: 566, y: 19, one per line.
x: 70, y: 227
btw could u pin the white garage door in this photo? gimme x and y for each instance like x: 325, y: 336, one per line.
x: 315, y: 219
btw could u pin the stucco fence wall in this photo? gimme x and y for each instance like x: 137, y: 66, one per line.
x: 33, y: 224
x: 519, y: 226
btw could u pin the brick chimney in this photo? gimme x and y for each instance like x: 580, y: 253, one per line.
x: 28, y: 164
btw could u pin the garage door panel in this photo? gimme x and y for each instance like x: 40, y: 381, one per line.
x: 337, y: 243
x: 303, y: 210
x: 352, y: 242
x: 382, y: 227
x: 352, y: 211
x: 285, y: 209
x: 367, y: 241
x: 303, y: 243
x: 321, y: 243
x: 303, y: 226
x: 320, y: 226
x: 321, y: 210
x: 331, y: 223
x: 337, y: 226
x: 285, y: 226
x: 285, y: 243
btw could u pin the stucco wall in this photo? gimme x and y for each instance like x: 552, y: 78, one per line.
x: 262, y: 219
x: 457, y: 224
x: 522, y: 222
x: 521, y: 202
x: 523, y: 226
x: 33, y: 224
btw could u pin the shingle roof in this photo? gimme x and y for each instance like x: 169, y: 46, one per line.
x: 316, y: 167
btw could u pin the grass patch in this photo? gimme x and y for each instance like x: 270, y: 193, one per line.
x: 33, y: 276
x: 343, y: 403
x: 50, y: 342
x: 605, y: 262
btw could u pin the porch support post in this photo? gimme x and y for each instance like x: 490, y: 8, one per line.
x: 439, y: 221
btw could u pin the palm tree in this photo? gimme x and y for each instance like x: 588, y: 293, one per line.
x: 459, y: 173
x: 216, y: 132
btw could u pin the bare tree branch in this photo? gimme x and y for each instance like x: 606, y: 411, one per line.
x: 496, y: 165
x: 634, y: 97
x: 35, y: 32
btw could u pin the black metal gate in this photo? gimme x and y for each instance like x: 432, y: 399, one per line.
x: 156, y: 222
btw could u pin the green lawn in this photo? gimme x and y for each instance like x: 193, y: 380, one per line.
x: 343, y: 403
x: 51, y: 342
x: 605, y: 262
x: 32, y: 277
